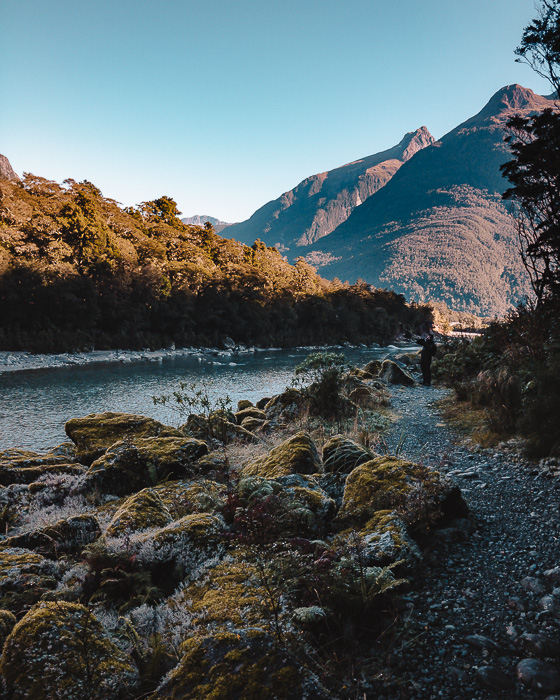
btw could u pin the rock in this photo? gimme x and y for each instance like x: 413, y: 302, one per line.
x: 385, y: 483
x: 252, y: 424
x: 238, y: 664
x: 539, y: 675
x: 130, y: 466
x: 481, y: 642
x: 141, y: 511
x: 391, y: 373
x: 553, y: 575
x: 362, y: 374
x: 364, y: 397
x: 95, y: 433
x: 22, y: 459
x: 217, y: 427
x: 244, y: 403
x: 183, y: 498
x: 7, y: 624
x: 66, y: 535
x: 250, y: 412
x: 60, y: 649
x: 24, y: 577
x: 28, y: 475
x: 214, y: 465
x: 373, y: 367
x: 550, y: 604
x: 494, y: 678
x: 261, y: 403
x: 287, y: 406
x: 296, y: 455
x: 539, y: 645
x: 342, y: 455
x: 532, y: 584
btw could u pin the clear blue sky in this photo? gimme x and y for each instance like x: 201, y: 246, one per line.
x: 225, y: 104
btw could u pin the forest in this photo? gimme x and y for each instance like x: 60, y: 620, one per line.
x: 78, y: 272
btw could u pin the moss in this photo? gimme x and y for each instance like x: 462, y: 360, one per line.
x: 27, y: 475
x: 393, y: 374
x: 297, y: 455
x: 24, y: 577
x: 383, y: 483
x: 183, y: 498
x: 373, y: 367
x: 95, y: 433
x: 362, y: 374
x: 66, y: 535
x: 237, y: 665
x: 15, y: 457
x: 287, y: 406
x: 139, y: 512
x: 142, y: 462
x: 60, y: 650
x: 252, y: 424
x: 341, y: 455
x: 250, y: 412
x: 244, y: 403
x: 217, y: 427
x: 7, y: 624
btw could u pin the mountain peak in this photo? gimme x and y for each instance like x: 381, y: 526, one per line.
x: 6, y: 170
x: 415, y: 141
x: 512, y: 99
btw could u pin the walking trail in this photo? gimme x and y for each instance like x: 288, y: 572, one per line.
x: 488, y: 607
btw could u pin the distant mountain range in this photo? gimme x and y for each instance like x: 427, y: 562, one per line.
x: 432, y: 227
x: 322, y: 202
x: 201, y: 219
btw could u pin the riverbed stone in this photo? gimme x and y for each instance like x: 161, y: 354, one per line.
x: 141, y: 511
x: 249, y: 412
x: 60, y: 649
x: 24, y: 577
x: 296, y: 455
x: 186, y: 497
x: 28, y: 475
x: 287, y: 406
x: 539, y: 675
x: 64, y: 536
x: 95, y: 433
x: 391, y: 373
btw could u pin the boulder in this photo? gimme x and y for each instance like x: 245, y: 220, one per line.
x: 391, y: 373
x: 130, y: 466
x: 296, y: 455
x: 184, y: 498
x: 21, y: 459
x: 141, y: 511
x: 66, y: 535
x: 95, y: 433
x: 252, y: 424
x: 341, y: 455
x: 243, y: 403
x: 385, y: 483
x: 28, y: 475
x: 238, y: 664
x: 362, y: 374
x: 373, y: 367
x: 7, y: 623
x: 540, y: 676
x: 24, y: 577
x: 287, y: 406
x: 60, y: 650
x: 250, y: 412
x: 217, y: 427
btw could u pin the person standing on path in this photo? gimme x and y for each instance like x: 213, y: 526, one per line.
x: 428, y: 352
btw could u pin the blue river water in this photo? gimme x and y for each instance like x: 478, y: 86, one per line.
x: 35, y: 404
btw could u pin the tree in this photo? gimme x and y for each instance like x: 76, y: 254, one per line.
x: 535, y: 170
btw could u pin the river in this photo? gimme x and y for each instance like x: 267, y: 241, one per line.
x: 34, y: 405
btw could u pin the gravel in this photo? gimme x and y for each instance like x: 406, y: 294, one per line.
x: 485, y: 620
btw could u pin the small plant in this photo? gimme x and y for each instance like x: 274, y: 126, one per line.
x: 191, y: 398
x: 319, y: 376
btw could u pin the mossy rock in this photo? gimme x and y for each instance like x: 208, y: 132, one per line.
x: 243, y: 403
x: 25, y: 577
x: 28, y: 475
x: 185, y: 498
x: 127, y: 467
x: 238, y: 665
x: 7, y: 623
x: 385, y: 540
x: 21, y: 459
x: 373, y: 367
x: 64, y: 536
x: 252, y: 424
x: 217, y: 427
x: 261, y: 403
x: 362, y: 374
x: 287, y: 406
x: 67, y: 450
x: 95, y: 433
x: 213, y: 465
x: 308, y: 509
x: 333, y: 485
x: 391, y: 373
x: 141, y: 511
x: 365, y: 398
x: 60, y: 650
x: 383, y: 484
x: 341, y: 455
x: 250, y: 412
x: 296, y: 455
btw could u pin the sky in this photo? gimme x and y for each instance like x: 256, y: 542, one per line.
x: 226, y: 104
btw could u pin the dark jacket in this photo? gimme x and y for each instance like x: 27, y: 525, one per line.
x: 429, y: 349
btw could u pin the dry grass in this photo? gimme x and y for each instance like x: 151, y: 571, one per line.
x: 469, y: 421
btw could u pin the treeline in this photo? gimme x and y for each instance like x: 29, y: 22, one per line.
x: 77, y: 272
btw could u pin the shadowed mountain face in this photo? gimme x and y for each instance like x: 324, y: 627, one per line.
x: 438, y: 230
x: 322, y: 202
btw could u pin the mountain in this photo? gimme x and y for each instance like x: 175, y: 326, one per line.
x: 6, y: 171
x: 201, y: 219
x: 322, y: 202
x: 439, y: 230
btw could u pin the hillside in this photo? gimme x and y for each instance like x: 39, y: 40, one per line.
x: 78, y: 271
x: 322, y: 202
x: 438, y: 229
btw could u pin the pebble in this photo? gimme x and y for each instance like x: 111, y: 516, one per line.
x: 539, y: 675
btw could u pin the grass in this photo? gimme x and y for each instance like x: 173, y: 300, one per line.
x: 469, y: 421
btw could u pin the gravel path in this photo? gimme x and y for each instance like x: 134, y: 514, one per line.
x: 490, y: 598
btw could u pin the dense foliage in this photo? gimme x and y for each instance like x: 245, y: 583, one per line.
x: 79, y: 271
